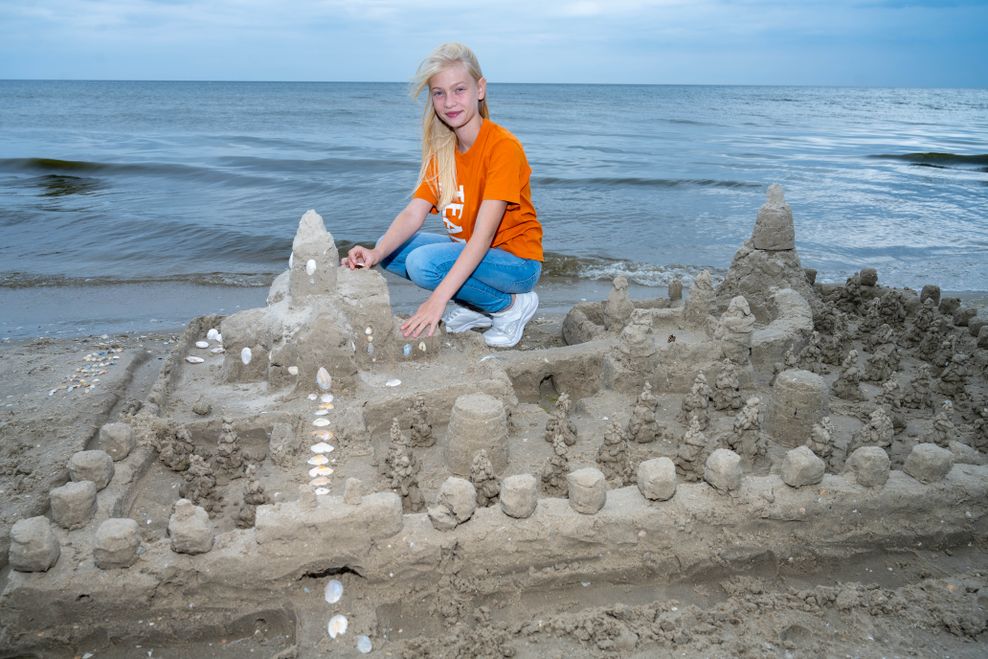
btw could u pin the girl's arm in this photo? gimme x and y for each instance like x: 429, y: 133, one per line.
x: 405, y: 224
x: 430, y: 312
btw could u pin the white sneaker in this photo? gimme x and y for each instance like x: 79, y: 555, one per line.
x: 460, y: 319
x: 508, y: 325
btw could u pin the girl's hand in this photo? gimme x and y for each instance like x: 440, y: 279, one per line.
x: 360, y: 257
x: 427, y: 316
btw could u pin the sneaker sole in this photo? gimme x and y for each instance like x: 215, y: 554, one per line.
x: 493, y: 343
x: 459, y: 329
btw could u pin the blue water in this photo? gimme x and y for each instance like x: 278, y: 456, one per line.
x: 204, y: 182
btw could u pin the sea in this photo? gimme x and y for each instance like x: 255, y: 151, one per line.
x: 131, y: 206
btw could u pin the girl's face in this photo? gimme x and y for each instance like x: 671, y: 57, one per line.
x: 456, y: 96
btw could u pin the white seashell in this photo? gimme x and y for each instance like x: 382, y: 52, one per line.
x: 212, y: 334
x: 422, y: 346
x: 291, y: 260
x: 321, y: 491
x: 218, y: 350
x: 370, y: 337
x: 369, y: 331
x: 407, y: 350
x: 333, y: 593
x: 364, y: 644
x: 322, y: 435
x: 293, y: 370
x: 319, y: 481
x: 324, y: 379
x: 321, y: 412
x: 219, y: 338
x: 202, y: 344
x: 318, y: 460
x: 321, y: 470
x: 370, y: 349
x: 337, y: 625
x: 321, y: 422
x: 393, y: 382
x: 321, y: 447
x: 313, y: 396
x: 192, y: 359
x: 246, y: 356
x: 310, y: 267
x: 326, y: 398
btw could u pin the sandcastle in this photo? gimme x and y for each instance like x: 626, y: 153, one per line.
x: 309, y: 439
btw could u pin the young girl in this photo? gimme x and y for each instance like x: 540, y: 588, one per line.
x: 474, y: 174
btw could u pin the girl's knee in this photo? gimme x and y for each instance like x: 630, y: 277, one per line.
x: 423, y: 270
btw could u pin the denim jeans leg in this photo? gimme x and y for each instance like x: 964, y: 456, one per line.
x: 395, y: 261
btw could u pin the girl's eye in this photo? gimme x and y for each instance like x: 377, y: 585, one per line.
x: 460, y: 90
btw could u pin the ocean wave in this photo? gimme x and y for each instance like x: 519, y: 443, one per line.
x: 564, y: 266
x: 936, y: 159
x: 232, y: 279
x: 641, y: 182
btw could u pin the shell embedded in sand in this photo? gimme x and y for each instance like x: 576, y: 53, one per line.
x: 320, y: 422
x: 246, y: 355
x: 320, y: 471
x: 313, y: 396
x: 318, y: 460
x: 310, y: 267
x: 407, y: 350
x: 422, y: 347
x: 218, y: 350
x: 213, y: 334
x: 192, y: 359
x: 291, y: 260
x: 368, y: 331
x: 333, y: 593
x: 293, y: 370
x: 370, y: 349
x: 202, y: 344
x: 321, y: 412
x: 322, y: 447
x: 393, y: 382
x: 322, y: 435
x: 320, y: 491
x: 337, y: 625
x: 370, y: 337
x: 324, y: 379
x: 319, y: 481
x: 326, y: 406
x: 364, y: 645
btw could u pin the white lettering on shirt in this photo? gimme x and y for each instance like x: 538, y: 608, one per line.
x: 454, y: 211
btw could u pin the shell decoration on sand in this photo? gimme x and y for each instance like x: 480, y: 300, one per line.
x: 322, y: 447
x: 370, y: 349
x: 337, y: 626
x: 319, y: 481
x: 213, y: 334
x: 202, y: 344
x: 333, y: 592
x: 364, y: 645
x: 422, y: 347
x: 323, y: 435
x: 326, y: 406
x: 407, y: 350
x: 321, y: 422
x: 320, y: 471
x: 326, y: 398
x: 313, y: 396
x: 291, y: 260
x: 321, y: 412
x: 246, y: 355
x: 293, y: 370
x: 320, y: 491
x: 192, y: 359
x: 218, y: 350
x: 318, y: 460
x: 393, y: 382
x: 324, y: 379
x: 310, y: 267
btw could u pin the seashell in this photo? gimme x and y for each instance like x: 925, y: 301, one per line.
x: 202, y: 344
x: 324, y: 379
x: 310, y: 267
x: 337, y: 625
x: 321, y: 412
x: 326, y: 398
x: 326, y: 406
x: 319, y: 481
x: 370, y: 349
x: 364, y: 645
x: 219, y: 338
x: 407, y: 350
x: 218, y: 350
x: 313, y: 396
x: 321, y: 491
x: 192, y: 359
x: 369, y: 331
x: 291, y: 260
x: 321, y: 470
x: 322, y: 435
x: 246, y: 356
x: 318, y: 460
x: 212, y: 334
x: 333, y: 593
x: 393, y: 382
x: 422, y: 346
x: 370, y: 337
x: 321, y: 447
x: 293, y: 370
x: 321, y: 422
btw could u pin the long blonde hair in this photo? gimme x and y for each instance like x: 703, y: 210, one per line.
x: 438, y: 140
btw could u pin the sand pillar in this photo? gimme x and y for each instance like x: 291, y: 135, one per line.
x: 799, y: 400
x: 478, y: 421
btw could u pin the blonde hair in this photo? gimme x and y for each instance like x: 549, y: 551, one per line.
x: 438, y: 140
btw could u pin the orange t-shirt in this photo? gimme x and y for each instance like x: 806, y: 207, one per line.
x: 494, y: 168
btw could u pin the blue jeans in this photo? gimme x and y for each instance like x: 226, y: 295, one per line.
x: 425, y: 258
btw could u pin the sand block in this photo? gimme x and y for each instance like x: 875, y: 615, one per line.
x: 478, y: 421
x: 519, y: 495
x: 868, y: 277
x: 657, y: 479
x: 928, y: 463
x: 189, y: 528
x: 930, y: 291
x: 723, y: 470
x: 117, y: 543
x: 284, y: 445
x: 73, y: 504
x: 117, y: 439
x: 948, y: 305
x: 983, y: 337
x: 33, y: 545
x: 975, y: 324
x: 964, y: 454
x: 289, y: 525
x: 802, y: 467
x: 353, y: 492
x: 455, y: 504
x: 799, y: 400
x: 869, y: 466
x: 95, y: 466
x: 587, y: 490
x: 774, y: 228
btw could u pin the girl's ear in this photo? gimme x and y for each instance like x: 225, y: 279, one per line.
x: 482, y: 89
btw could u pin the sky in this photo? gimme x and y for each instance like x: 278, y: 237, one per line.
x: 889, y: 43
